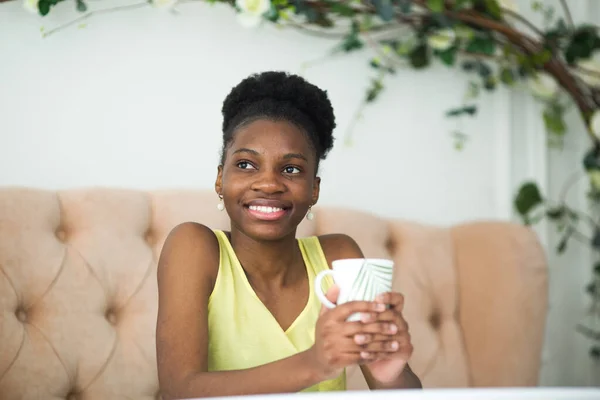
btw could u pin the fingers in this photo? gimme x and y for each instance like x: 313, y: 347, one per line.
x: 393, y: 299
x: 343, y: 311
x: 365, y: 352
x: 332, y: 295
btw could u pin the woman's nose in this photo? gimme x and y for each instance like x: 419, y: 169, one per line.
x: 269, y: 182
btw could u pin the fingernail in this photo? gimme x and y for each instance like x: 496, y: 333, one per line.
x: 359, y: 339
x: 365, y: 317
x: 394, y: 345
x: 393, y: 328
x: 364, y: 354
x: 380, y: 307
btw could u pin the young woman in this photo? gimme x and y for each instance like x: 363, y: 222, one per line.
x: 237, y: 310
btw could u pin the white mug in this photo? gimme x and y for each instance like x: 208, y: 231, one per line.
x: 358, y: 279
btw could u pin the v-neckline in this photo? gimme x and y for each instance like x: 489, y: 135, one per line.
x: 309, y: 299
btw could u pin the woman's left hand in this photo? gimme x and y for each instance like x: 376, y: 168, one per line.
x: 388, y: 365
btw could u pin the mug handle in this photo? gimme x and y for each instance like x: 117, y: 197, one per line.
x: 319, y: 292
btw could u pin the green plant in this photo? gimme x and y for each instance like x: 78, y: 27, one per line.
x: 559, y: 62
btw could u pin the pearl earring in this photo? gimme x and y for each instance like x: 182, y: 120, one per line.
x: 220, y: 205
x: 310, y: 215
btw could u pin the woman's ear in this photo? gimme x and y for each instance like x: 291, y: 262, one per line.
x: 219, y: 180
x: 316, y: 190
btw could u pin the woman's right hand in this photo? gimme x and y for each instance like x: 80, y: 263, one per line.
x: 335, y: 344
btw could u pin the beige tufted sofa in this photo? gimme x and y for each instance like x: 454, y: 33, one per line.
x: 78, y: 294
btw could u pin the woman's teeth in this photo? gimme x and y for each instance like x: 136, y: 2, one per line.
x: 264, y: 209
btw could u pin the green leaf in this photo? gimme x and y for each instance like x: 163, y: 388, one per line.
x: 455, y: 112
x: 528, y: 197
x: 81, y: 6
x: 352, y: 43
x: 342, y: 9
x: 436, y: 5
x: 405, y: 6
x: 489, y: 83
x: 483, y: 69
x: 591, y: 288
x: 419, y: 57
x: 385, y: 9
x: 374, y: 90
x: 556, y: 213
x: 482, y: 45
x: 447, y: 56
x: 583, y: 42
x: 493, y: 8
x: 318, y: 18
x: 539, y: 59
x: 469, y: 65
x: 507, y: 76
x: 44, y: 7
x: 461, y: 4
x: 597, y: 268
x: 554, y: 119
x: 591, y: 160
x: 562, y: 245
x: 596, y: 239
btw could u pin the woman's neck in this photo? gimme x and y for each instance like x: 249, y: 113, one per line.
x: 268, y: 264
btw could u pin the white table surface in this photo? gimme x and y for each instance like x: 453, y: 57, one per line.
x: 537, y: 393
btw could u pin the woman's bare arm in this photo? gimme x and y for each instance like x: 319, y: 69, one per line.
x: 187, y: 269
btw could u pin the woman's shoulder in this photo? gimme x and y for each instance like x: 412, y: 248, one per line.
x: 337, y: 246
x: 191, y: 248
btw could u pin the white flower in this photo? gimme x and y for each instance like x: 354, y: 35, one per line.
x: 251, y: 11
x: 442, y: 39
x: 164, y: 4
x: 595, y: 124
x: 543, y: 86
x: 31, y: 6
x: 592, y: 64
x: 509, y: 5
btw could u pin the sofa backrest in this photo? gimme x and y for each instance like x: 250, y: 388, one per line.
x: 78, y: 295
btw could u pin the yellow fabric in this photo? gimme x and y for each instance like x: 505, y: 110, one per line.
x: 242, y: 331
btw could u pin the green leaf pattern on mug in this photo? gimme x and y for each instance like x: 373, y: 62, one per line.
x: 371, y: 280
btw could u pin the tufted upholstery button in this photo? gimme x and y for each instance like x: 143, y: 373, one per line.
x: 61, y: 234
x: 111, y: 317
x: 435, y: 320
x: 21, y: 314
x: 72, y: 396
x: 149, y: 237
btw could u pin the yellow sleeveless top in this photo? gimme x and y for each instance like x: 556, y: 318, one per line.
x: 243, y: 333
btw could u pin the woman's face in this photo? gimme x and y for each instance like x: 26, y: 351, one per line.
x: 268, y: 179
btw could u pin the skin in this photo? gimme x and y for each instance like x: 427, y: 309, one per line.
x: 272, y: 163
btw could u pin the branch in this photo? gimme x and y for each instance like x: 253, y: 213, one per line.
x: 91, y: 13
x: 522, y: 19
x: 314, y: 32
x: 572, y: 180
x: 568, y: 16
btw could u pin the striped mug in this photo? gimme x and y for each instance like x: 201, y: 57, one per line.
x: 358, y: 279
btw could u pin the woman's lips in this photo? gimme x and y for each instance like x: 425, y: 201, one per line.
x: 266, y: 213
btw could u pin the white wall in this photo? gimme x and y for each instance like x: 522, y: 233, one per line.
x: 565, y: 358
x: 133, y: 101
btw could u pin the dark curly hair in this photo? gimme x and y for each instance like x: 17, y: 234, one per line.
x: 280, y: 96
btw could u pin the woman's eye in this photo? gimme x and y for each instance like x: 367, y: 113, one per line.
x: 244, y: 165
x: 291, y: 170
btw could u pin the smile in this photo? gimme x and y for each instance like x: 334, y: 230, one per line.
x: 266, y: 213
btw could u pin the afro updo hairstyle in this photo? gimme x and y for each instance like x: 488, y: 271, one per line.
x: 279, y: 96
